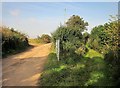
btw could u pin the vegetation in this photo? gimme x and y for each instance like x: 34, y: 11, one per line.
x: 12, y: 41
x: 107, y: 38
x: 34, y: 40
x: 76, y: 71
x: 85, y: 59
x: 76, y: 22
x: 70, y: 35
x: 45, y: 38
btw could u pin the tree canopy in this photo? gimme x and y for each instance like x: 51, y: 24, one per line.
x: 76, y: 22
x: 44, y: 38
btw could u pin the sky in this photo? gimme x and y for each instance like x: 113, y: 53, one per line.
x: 36, y: 18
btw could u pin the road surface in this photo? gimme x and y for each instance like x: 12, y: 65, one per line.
x: 24, y: 69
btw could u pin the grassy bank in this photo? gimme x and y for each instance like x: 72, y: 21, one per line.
x: 13, y: 41
x: 90, y: 70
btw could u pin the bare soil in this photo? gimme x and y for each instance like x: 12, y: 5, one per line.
x: 24, y: 69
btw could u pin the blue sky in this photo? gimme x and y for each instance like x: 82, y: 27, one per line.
x: 36, y: 18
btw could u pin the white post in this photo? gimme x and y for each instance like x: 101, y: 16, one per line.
x: 58, y: 48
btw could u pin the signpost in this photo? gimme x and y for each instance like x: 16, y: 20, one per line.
x: 58, y: 48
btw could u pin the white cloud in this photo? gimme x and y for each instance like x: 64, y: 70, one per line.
x: 15, y: 12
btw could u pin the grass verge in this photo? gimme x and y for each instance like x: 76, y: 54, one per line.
x: 90, y: 70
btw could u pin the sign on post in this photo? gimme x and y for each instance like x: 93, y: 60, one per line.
x: 58, y: 48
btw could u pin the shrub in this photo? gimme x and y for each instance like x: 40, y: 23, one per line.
x: 114, y: 66
x: 69, y: 39
x: 45, y: 38
x: 70, y: 35
x: 81, y: 50
x: 12, y: 41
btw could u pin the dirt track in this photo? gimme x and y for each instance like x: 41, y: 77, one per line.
x: 24, y: 69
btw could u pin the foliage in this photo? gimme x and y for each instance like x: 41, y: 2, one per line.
x: 92, y: 53
x: 45, y: 38
x: 80, y: 72
x: 82, y: 50
x: 80, y: 65
x: 98, y: 38
x: 70, y: 35
x: 12, y: 41
x: 113, y: 33
x: 76, y: 22
x: 85, y: 37
x: 69, y: 38
x: 35, y: 41
x: 113, y: 55
x: 105, y: 39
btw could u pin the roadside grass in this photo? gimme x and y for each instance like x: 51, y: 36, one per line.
x: 90, y: 70
x: 34, y: 41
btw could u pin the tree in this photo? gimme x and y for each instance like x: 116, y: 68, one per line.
x: 98, y: 38
x: 105, y: 38
x: 13, y: 41
x: 69, y: 39
x: 76, y: 22
x: 45, y: 38
x: 70, y: 35
x: 113, y: 33
x: 85, y: 37
x: 113, y: 55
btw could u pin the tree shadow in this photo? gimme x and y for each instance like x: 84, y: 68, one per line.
x: 13, y: 52
x: 97, y: 71
x: 112, y: 58
x: 25, y: 72
x: 76, y: 71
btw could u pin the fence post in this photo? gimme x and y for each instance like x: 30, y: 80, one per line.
x: 58, y: 49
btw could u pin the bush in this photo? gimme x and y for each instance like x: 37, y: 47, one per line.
x: 69, y: 39
x: 113, y: 66
x: 45, y: 38
x: 70, y: 35
x: 81, y: 50
x: 74, y: 71
x: 35, y: 41
x: 12, y: 41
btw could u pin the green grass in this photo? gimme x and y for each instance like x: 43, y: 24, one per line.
x: 89, y: 70
x: 35, y: 41
x: 92, y: 53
